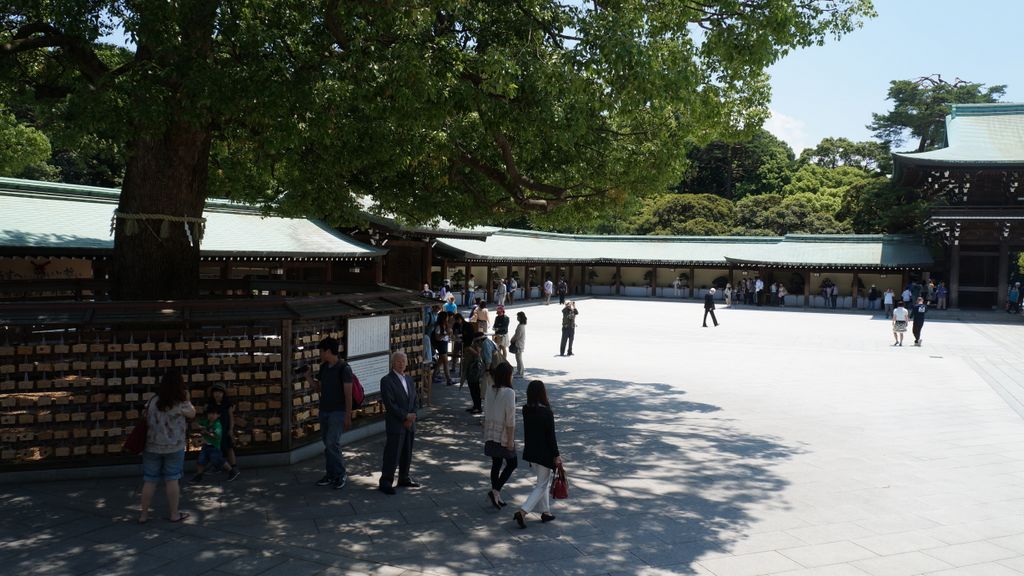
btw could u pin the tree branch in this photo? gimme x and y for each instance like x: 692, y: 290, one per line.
x: 38, y: 35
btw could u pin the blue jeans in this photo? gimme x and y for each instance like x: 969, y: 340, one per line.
x: 156, y: 467
x: 211, y: 456
x: 331, y: 426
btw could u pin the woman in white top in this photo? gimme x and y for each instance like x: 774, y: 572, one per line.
x: 887, y: 299
x: 518, y: 343
x: 481, y: 317
x: 500, y: 431
x: 728, y: 295
x: 782, y: 294
x: 899, y: 323
x: 167, y: 416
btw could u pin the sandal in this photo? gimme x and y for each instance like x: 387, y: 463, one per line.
x: 181, y: 516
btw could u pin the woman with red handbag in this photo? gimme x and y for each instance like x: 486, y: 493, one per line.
x: 164, y: 457
x: 540, y: 449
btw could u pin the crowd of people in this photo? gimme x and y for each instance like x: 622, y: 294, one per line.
x: 475, y: 347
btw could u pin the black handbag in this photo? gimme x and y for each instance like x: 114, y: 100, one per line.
x: 513, y: 348
x: 494, y: 449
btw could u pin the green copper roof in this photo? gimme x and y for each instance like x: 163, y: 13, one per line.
x: 977, y: 134
x: 66, y: 219
x: 852, y: 251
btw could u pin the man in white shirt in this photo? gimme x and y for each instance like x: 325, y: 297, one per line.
x: 549, y: 287
x: 758, y: 290
x: 398, y: 394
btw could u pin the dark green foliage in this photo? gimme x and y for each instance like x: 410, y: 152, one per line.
x: 920, y: 108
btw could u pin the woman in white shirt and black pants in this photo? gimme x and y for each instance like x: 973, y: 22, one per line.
x: 500, y: 431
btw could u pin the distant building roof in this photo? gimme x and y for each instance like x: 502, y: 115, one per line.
x: 44, y: 217
x: 818, y: 251
x: 985, y: 135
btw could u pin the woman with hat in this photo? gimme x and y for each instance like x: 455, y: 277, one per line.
x: 217, y: 400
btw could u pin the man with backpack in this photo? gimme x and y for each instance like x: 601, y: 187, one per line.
x: 334, y: 383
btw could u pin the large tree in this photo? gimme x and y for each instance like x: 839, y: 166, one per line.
x: 740, y: 166
x: 464, y: 109
x: 919, y: 108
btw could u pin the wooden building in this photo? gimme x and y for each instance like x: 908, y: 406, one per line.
x: 975, y: 184
x: 56, y: 241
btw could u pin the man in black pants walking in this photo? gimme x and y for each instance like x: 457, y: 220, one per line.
x: 709, y: 307
x: 917, y: 314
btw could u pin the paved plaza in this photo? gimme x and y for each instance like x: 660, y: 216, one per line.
x: 782, y: 442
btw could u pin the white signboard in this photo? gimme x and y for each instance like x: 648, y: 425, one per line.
x: 370, y: 371
x: 370, y: 335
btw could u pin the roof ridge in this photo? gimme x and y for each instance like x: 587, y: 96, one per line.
x: 986, y: 109
x: 85, y: 192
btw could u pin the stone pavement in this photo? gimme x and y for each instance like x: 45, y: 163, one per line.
x: 782, y: 442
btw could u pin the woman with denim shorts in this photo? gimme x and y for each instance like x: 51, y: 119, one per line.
x: 167, y: 415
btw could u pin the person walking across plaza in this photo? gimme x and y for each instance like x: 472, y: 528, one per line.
x: 563, y: 290
x: 549, y: 287
x: 518, y: 343
x: 540, y: 449
x: 887, y: 300
x: 334, y: 384
x: 727, y: 293
x: 398, y: 395
x: 709, y: 307
x: 759, y: 291
x: 500, y: 431
x: 899, y: 323
x: 917, y: 314
x: 1011, y: 298
x: 569, y: 314
x: 941, y: 294
x: 163, y: 458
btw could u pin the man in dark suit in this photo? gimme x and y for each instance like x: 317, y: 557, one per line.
x: 709, y: 307
x: 398, y: 394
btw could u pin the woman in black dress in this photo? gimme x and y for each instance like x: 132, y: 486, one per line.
x: 540, y: 449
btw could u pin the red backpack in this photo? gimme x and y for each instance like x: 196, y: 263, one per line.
x: 358, y: 394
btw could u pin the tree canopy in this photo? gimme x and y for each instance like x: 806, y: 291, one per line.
x: 467, y: 110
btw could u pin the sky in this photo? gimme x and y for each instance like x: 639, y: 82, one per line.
x: 832, y: 90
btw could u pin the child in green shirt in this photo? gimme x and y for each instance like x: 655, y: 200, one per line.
x: 211, y: 454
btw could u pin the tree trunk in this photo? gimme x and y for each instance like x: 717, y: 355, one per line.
x: 166, y: 174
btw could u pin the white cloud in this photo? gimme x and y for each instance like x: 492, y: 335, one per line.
x: 791, y: 130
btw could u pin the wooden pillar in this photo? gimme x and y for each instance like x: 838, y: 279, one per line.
x: 855, y: 290
x: 378, y: 264
x: 807, y: 288
x: 693, y: 282
x: 732, y: 272
x: 1004, y: 274
x: 489, y: 288
x: 467, y: 298
x: 428, y: 264
x: 905, y: 280
x: 444, y: 270
x: 618, y: 279
x: 286, y: 381
x: 954, y: 275
x: 571, y: 280
x: 654, y: 282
